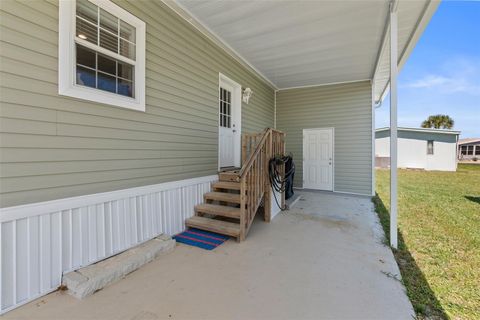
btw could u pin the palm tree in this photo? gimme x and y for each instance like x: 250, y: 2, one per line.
x: 439, y: 121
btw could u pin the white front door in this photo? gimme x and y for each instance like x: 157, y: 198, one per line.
x: 318, y: 159
x: 229, y: 104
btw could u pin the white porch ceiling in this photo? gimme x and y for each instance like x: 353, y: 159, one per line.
x: 305, y: 43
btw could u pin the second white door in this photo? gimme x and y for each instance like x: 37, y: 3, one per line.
x: 318, y: 159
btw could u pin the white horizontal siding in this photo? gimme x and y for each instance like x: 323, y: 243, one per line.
x: 345, y: 107
x: 44, y: 131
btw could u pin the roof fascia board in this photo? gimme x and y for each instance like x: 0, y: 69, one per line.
x: 383, y: 45
x: 442, y: 131
x: 420, y: 26
x: 468, y: 142
x: 190, y: 18
x: 428, y: 11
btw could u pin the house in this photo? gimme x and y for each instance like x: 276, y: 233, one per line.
x: 117, y: 117
x: 419, y: 148
x: 469, y: 149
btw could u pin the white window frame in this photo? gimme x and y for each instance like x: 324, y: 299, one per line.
x: 67, y: 57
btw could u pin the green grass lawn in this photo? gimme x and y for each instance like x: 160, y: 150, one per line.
x: 439, y: 239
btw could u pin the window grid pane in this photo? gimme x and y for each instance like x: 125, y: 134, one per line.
x: 225, y: 108
x: 87, y: 31
x: 87, y: 10
x: 101, y: 28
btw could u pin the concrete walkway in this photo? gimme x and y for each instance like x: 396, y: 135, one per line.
x: 321, y: 260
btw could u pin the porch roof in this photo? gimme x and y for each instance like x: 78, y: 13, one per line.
x: 308, y: 43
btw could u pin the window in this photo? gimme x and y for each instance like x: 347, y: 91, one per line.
x: 470, y: 150
x: 463, y: 150
x: 430, y: 147
x: 101, y: 54
x: 477, y: 150
x: 225, y: 106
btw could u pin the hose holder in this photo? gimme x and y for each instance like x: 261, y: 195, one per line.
x: 276, y: 182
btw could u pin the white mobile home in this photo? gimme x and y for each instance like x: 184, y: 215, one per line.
x: 469, y: 149
x: 419, y: 148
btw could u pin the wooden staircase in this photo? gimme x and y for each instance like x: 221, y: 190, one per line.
x: 234, y: 200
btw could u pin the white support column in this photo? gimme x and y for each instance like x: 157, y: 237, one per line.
x: 373, y: 137
x: 393, y: 124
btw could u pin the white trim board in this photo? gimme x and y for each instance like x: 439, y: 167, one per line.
x: 427, y: 130
x: 41, y: 241
x: 324, y: 84
x: 39, y: 208
x: 422, y: 22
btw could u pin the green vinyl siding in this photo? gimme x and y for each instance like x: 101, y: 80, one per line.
x: 345, y: 107
x: 55, y: 147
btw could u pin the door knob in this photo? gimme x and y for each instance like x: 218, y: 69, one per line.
x: 234, y: 130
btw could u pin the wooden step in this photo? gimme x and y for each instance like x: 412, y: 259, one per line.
x: 228, y: 176
x: 229, y: 185
x: 212, y: 225
x: 222, y: 196
x: 218, y: 210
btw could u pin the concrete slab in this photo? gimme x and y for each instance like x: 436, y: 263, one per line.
x: 86, y: 281
x: 324, y: 259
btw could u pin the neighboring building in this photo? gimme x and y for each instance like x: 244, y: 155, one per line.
x: 117, y: 115
x: 419, y: 148
x: 469, y: 149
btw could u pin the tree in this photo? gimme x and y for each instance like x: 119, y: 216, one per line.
x: 439, y: 121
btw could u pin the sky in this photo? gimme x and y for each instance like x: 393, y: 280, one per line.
x: 442, y: 74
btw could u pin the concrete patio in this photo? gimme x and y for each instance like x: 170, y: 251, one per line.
x: 323, y: 259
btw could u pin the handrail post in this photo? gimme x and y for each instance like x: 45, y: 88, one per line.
x: 267, y: 205
x: 244, y: 147
x: 243, y: 209
x: 282, y: 147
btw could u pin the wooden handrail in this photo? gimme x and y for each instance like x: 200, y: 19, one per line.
x: 253, y: 176
x: 246, y: 166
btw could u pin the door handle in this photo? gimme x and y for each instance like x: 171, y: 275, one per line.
x: 234, y: 130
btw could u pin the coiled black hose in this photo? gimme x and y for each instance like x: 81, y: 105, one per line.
x: 277, y: 183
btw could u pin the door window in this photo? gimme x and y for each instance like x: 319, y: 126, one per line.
x: 225, y: 108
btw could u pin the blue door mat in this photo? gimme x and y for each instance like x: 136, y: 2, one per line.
x: 202, y: 239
